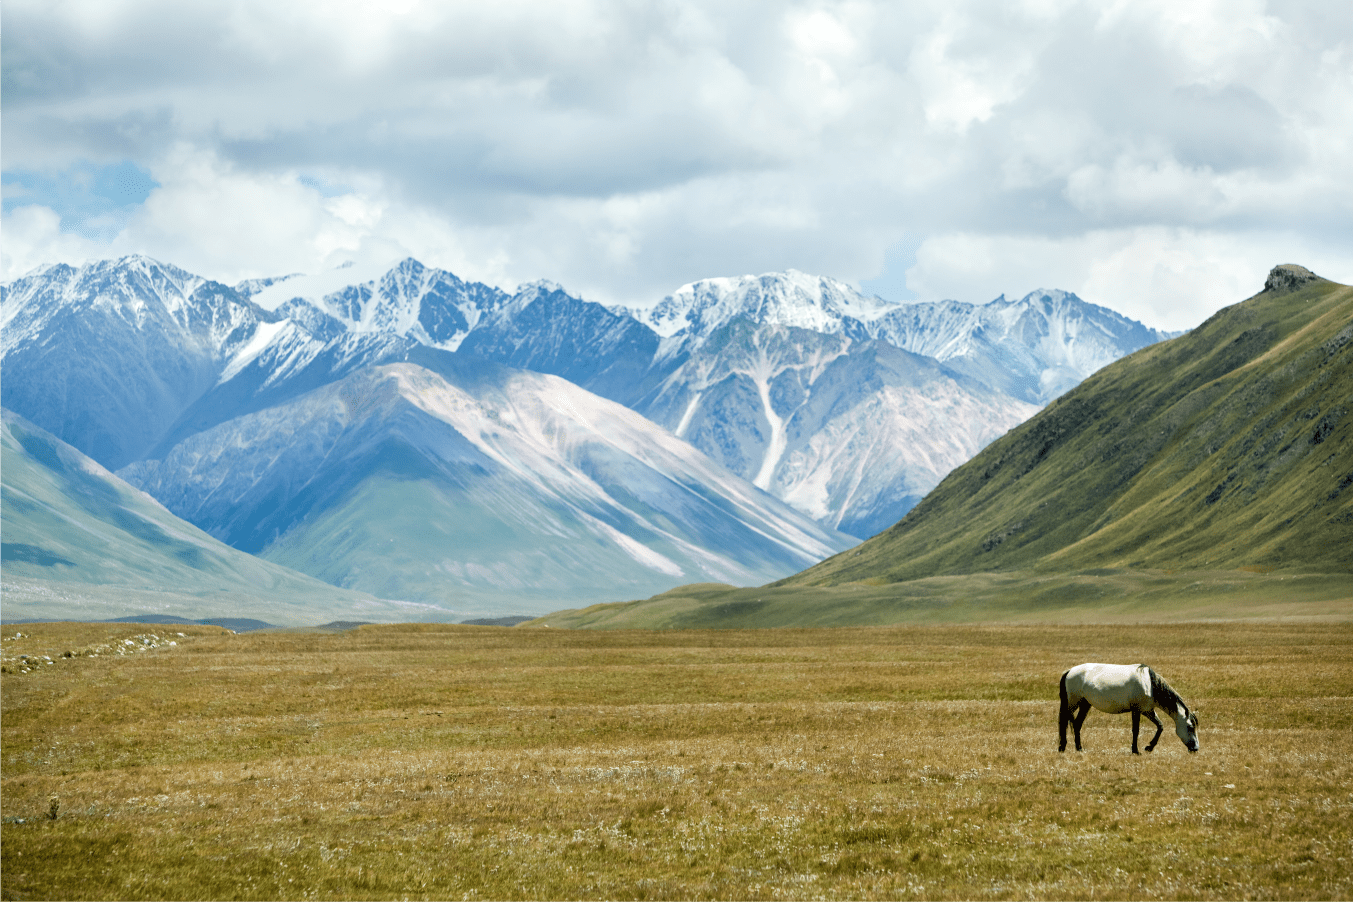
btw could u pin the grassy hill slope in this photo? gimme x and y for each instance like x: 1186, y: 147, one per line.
x: 1208, y: 476
x: 81, y: 544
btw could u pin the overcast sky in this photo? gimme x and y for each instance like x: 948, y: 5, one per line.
x: 1154, y: 157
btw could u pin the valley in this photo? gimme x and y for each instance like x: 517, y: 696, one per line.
x: 459, y: 451
x: 435, y: 761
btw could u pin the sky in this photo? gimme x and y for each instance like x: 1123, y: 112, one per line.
x: 1153, y: 156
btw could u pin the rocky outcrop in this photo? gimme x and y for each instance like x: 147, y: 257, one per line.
x: 1289, y: 277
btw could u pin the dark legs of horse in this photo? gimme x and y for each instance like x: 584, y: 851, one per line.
x: 1150, y: 715
x: 1083, y: 708
x: 1137, y: 719
x: 1064, y: 713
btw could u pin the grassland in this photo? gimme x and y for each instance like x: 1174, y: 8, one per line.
x: 429, y: 761
x: 1094, y: 596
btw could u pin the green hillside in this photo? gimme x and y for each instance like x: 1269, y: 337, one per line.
x: 1201, y: 476
x: 80, y: 544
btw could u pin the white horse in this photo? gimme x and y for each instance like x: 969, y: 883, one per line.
x: 1116, y: 688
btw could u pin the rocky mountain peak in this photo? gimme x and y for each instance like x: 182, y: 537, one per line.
x: 1289, y: 277
x: 790, y: 298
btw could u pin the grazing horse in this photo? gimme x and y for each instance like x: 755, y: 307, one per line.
x: 1116, y: 688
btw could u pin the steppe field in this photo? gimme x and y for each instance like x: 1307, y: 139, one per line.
x: 458, y: 762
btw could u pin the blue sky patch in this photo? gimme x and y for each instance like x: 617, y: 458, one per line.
x: 326, y: 188
x: 92, y: 200
x: 891, y: 283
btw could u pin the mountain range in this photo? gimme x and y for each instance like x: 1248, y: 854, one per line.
x: 576, y: 451
x: 734, y: 366
x: 1207, y: 476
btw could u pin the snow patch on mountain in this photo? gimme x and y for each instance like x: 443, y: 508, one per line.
x: 263, y: 336
x: 1034, y: 348
x: 791, y: 298
x: 639, y: 553
x: 408, y: 299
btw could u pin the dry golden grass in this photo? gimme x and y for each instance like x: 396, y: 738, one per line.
x: 480, y: 762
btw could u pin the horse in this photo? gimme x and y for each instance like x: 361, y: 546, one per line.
x: 1116, y: 688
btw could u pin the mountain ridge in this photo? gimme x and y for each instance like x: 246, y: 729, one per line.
x: 289, y: 338
x: 843, y: 425
x: 124, y: 367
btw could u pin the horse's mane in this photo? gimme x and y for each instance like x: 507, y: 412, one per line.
x: 1165, y: 696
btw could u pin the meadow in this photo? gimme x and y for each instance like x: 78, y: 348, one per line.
x: 458, y: 762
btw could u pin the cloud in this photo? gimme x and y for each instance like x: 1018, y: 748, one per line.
x: 33, y: 238
x: 1168, y: 277
x: 623, y: 149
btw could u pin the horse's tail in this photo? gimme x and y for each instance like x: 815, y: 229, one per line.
x: 1064, y: 712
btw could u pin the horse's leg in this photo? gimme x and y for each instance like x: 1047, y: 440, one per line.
x: 1083, y: 708
x: 1064, y: 714
x: 1151, y: 715
x: 1137, y: 719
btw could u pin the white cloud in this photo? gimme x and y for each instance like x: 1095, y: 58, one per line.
x: 959, y: 89
x: 31, y: 236
x: 622, y: 149
x: 1166, y: 277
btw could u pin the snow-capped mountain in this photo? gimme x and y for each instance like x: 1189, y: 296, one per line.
x: 430, y: 306
x: 445, y: 477
x: 221, y: 401
x: 108, y: 355
x: 734, y: 367
x: 1035, y: 348
x: 851, y: 432
x: 790, y: 298
x: 751, y: 396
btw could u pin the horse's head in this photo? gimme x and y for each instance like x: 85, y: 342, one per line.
x: 1187, y: 728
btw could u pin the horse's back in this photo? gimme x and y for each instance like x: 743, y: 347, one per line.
x: 1113, y: 688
